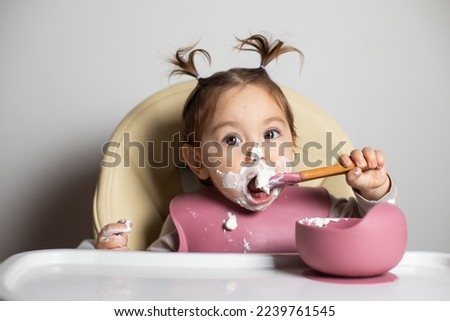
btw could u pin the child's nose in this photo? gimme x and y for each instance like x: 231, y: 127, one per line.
x: 255, y: 153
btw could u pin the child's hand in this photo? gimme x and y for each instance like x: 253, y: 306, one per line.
x: 114, y: 236
x: 373, y: 183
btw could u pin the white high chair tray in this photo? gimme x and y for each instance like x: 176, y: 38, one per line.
x: 110, y: 275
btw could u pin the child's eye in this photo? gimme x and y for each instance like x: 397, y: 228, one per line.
x: 232, y: 140
x: 271, y: 134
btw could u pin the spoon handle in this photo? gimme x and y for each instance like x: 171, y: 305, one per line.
x: 321, y: 172
x: 310, y: 174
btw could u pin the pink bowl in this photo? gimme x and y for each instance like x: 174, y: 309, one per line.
x: 355, y: 247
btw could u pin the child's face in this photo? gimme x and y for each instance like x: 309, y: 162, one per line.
x: 247, y: 133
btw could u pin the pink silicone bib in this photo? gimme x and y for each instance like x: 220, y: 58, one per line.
x: 200, y: 219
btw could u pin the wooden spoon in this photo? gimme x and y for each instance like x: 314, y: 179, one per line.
x: 310, y: 174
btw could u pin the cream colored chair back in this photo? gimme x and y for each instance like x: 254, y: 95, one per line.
x: 140, y: 171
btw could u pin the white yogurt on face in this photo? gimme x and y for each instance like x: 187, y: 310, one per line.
x: 239, y: 182
x: 234, y: 180
x: 255, y: 153
x: 263, y: 179
x: 319, y: 221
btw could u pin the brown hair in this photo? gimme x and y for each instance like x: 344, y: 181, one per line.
x: 203, y: 99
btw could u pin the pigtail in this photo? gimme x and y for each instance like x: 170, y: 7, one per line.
x: 184, y: 61
x: 267, y: 49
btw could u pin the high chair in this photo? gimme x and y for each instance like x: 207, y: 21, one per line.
x: 141, y: 169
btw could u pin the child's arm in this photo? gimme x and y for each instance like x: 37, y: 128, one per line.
x: 372, y: 184
x: 114, y: 236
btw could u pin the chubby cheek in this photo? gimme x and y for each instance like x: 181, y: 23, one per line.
x: 222, y: 159
x: 283, y: 152
x: 233, y: 183
x: 233, y: 195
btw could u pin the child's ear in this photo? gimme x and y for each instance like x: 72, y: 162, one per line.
x: 193, y: 156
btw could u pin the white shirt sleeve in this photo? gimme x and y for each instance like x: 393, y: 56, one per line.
x: 358, y: 206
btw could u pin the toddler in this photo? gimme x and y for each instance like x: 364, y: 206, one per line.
x: 239, y: 126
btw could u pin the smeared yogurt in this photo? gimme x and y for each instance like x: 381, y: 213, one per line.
x: 246, y: 245
x: 263, y: 179
x: 230, y: 224
x: 319, y: 221
x: 109, y: 231
x: 239, y: 181
x: 255, y: 153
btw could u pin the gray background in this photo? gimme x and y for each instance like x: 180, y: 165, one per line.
x: 70, y: 71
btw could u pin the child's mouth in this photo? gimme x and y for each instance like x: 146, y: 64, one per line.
x: 252, y: 186
x: 256, y: 194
